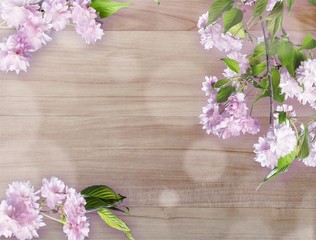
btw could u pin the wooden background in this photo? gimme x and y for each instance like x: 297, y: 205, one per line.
x: 125, y: 113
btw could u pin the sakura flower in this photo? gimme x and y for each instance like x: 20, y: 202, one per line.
x: 249, y: 125
x: 54, y: 191
x: 279, y: 142
x: 264, y: 154
x: 8, y: 225
x: 14, y: 53
x: 228, y: 127
x: 243, y: 63
x: 77, y: 225
x: 20, y: 216
x: 210, y: 117
x: 85, y: 19
x: 230, y: 119
x: 16, y: 12
x: 285, y: 140
x: 289, y: 85
x: 237, y: 105
x: 208, y: 84
x: 57, y: 13
x: 310, y: 161
x: 36, y: 31
x: 211, y: 36
x: 306, y: 73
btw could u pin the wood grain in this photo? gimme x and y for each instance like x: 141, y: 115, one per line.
x: 125, y: 113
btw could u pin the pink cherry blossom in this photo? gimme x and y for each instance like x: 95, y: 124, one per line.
x: 230, y: 119
x: 15, y: 53
x: 20, y: 215
x: 212, y: 36
x: 279, y: 142
x: 54, y: 191
x: 208, y: 84
x: 264, y: 154
x: 16, y: 12
x: 57, y: 13
x: 289, y: 85
x: 85, y: 19
x: 306, y: 73
x: 243, y: 63
x: 36, y: 31
x: 77, y: 225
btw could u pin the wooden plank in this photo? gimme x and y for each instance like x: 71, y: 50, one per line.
x: 206, y: 223
x: 130, y: 115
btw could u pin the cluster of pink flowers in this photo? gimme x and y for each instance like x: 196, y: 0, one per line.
x: 270, y: 73
x: 35, y: 19
x: 304, y: 86
x: 227, y: 119
x: 279, y: 141
x: 21, y: 213
x: 212, y: 36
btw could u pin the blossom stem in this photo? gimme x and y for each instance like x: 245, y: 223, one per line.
x: 51, y: 218
x: 263, y: 26
x: 5, y: 27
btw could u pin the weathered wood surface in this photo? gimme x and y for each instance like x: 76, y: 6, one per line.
x: 125, y: 113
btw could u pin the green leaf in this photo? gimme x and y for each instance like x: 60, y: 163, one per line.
x: 304, y: 144
x: 289, y: 4
x: 115, y: 222
x: 271, y: 175
x: 106, y: 8
x: 232, y: 18
x: 313, y: 2
x: 309, y: 42
x: 238, y: 30
x: 93, y: 204
x: 283, y: 164
x: 260, y: 8
x: 103, y: 192
x: 285, y: 52
x: 221, y: 83
x: 277, y: 94
x: 286, y: 161
x: 275, y: 25
x: 218, y: 8
x: 232, y: 64
x: 224, y: 93
x: 282, y: 117
x: 276, y: 11
x: 258, y: 68
x: 298, y: 57
x: 260, y: 50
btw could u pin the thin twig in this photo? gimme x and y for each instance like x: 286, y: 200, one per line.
x: 266, y: 41
x: 51, y: 218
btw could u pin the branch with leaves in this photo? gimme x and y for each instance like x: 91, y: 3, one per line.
x: 278, y: 69
x: 23, y: 210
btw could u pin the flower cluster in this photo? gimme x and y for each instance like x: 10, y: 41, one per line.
x: 70, y: 204
x: 34, y: 20
x: 303, y: 87
x: 229, y: 119
x: 277, y: 69
x: 21, y: 214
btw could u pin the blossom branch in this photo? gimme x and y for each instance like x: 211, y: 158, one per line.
x: 266, y: 42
